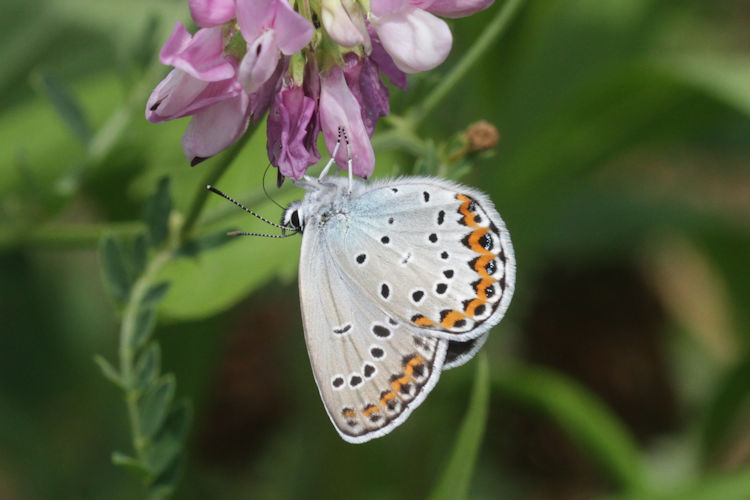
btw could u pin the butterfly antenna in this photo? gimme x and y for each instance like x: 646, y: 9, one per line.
x: 265, y: 191
x: 333, y: 156
x: 243, y: 207
x: 242, y: 233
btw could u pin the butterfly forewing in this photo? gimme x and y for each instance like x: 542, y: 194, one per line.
x: 370, y: 368
x: 435, y: 254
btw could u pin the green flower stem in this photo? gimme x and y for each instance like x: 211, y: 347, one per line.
x: 217, y: 170
x: 489, y: 36
x: 128, y: 331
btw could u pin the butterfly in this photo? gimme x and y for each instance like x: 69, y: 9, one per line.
x: 398, y: 280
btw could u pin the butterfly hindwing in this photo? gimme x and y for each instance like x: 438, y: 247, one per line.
x: 371, y: 371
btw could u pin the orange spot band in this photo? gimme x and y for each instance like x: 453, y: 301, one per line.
x: 422, y: 321
x: 370, y: 410
x: 387, y: 397
x: 468, y: 219
x: 451, y: 318
x: 474, y: 238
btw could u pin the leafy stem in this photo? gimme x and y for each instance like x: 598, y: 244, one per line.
x: 158, y: 423
x: 129, y: 330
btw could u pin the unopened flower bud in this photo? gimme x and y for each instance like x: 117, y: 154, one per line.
x: 481, y: 136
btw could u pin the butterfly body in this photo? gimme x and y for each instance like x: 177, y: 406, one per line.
x: 399, y: 279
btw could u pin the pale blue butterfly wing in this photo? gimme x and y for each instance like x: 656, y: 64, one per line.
x: 370, y: 370
x: 413, y: 268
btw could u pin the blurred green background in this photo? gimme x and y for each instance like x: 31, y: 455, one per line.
x: 623, y: 173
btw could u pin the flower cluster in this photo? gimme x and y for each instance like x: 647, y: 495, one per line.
x: 315, y: 68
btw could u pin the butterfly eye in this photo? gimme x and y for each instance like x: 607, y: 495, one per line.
x: 293, y: 220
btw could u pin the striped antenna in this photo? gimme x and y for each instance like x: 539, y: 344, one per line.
x: 243, y: 207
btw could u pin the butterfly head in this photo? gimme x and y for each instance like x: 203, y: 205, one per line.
x: 293, y: 218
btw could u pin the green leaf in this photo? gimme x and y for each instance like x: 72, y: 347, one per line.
x: 144, y: 324
x: 583, y: 417
x: 155, y: 294
x: 167, y: 445
x: 157, y: 212
x: 456, y: 476
x: 153, y: 405
x: 205, y: 242
x: 132, y: 464
x: 117, y: 278
x: 163, y: 485
x: 139, y: 253
x: 147, y: 366
x: 109, y: 371
x: 65, y: 104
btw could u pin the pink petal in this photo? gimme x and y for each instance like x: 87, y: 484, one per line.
x: 385, y: 62
x: 200, y: 56
x: 339, y: 108
x: 261, y: 100
x: 339, y: 26
x: 176, y: 43
x: 456, y: 8
x: 207, y: 13
x: 293, y: 31
x: 216, y: 128
x: 259, y: 62
x: 290, y: 122
x: 415, y: 39
x: 384, y: 7
x: 173, y: 95
x: 254, y: 16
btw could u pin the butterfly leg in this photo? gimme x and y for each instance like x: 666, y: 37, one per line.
x: 333, y: 156
x: 348, y: 158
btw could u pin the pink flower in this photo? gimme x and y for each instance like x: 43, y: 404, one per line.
x: 292, y: 131
x: 203, y: 84
x: 385, y: 62
x: 224, y: 86
x: 456, y: 8
x: 201, y: 55
x: 414, y: 38
x: 344, y: 22
x: 364, y: 82
x: 215, y: 128
x: 271, y: 28
x: 339, y: 108
x: 207, y: 13
x: 180, y: 94
x: 201, y: 78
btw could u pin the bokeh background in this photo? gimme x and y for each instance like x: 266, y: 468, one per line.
x: 623, y: 173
